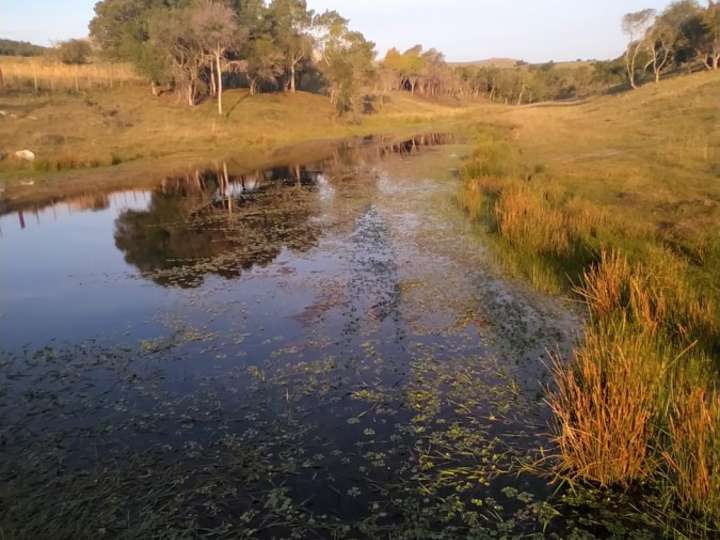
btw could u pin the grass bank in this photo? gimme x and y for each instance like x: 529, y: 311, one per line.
x: 617, y: 202
x: 116, y: 135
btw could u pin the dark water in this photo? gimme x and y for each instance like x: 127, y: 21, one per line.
x: 313, y: 351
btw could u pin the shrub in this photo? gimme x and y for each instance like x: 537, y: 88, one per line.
x: 74, y: 52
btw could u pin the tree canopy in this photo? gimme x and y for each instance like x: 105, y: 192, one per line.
x: 199, y: 47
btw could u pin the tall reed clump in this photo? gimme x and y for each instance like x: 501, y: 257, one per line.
x: 637, y: 401
x: 692, y: 453
x: 603, y: 407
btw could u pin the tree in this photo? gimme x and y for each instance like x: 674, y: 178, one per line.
x: 215, y: 25
x: 9, y: 47
x: 659, y: 44
x: 635, y: 26
x: 291, y: 22
x: 171, y: 34
x: 408, y: 66
x: 74, y: 51
x: 709, y: 41
x: 264, y: 62
x: 120, y: 27
x: 435, y: 75
x: 346, y: 60
x: 412, y: 66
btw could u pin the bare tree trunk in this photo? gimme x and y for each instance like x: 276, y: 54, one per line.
x: 219, y: 83
x: 631, y: 63
x: 292, y: 77
x: 707, y: 60
x: 253, y: 86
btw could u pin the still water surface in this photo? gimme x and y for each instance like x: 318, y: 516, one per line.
x: 312, y: 351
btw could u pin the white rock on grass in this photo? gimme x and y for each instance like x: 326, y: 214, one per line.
x: 25, y: 155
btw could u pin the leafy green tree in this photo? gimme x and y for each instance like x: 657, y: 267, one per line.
x: 347, y: 60
x: 172, y: 33
x: 659, y: 44
x: 696, y: 30
x: 216, y: 28
x: 635, y: 26
x: 264, y: 62
x: 291, y: 22
x: 408, y: 66
x: 683, y: 17
x: 708, y: 46
x: 120, y: 27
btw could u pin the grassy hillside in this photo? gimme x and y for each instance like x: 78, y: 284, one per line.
x: 651, y: 156
x: 617, y: 200
x: 490, y: 62
x: 510, y: 63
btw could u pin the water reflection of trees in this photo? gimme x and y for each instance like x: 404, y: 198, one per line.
x: 222, y: 222
x: 215, y: 223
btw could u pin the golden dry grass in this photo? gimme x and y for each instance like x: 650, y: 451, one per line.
x: 633, y: 404
x: 527, y: 221
x: 604, y: 406
x: 618, y: 200
x: 40, y: 74
x: 693, y: 454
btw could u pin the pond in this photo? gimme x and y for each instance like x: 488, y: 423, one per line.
x: 317, y: 350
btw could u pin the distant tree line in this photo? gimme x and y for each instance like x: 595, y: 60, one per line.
x: 9, y: 47
x: 686, y: 36
x: 198, y: 47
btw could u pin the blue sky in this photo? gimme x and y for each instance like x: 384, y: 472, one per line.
x: 533, y: 30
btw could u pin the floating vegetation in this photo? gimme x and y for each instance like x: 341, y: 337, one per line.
x: 329, y: 390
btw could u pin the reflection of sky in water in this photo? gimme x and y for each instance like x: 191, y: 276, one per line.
x: 325, y: 188
x: 328, y: 317
x: 87, y: 268
x: 61, y: 275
